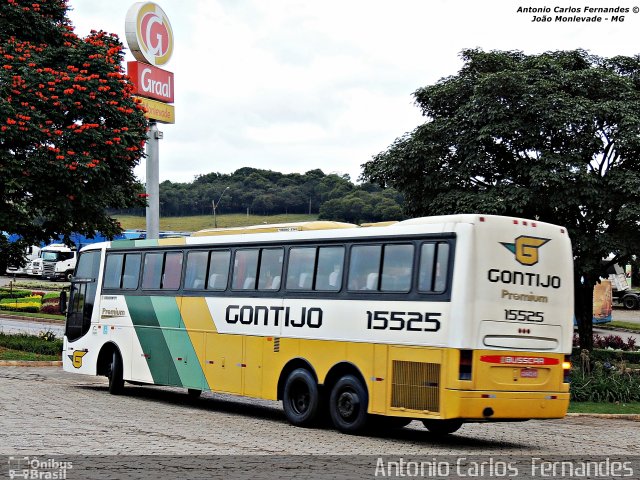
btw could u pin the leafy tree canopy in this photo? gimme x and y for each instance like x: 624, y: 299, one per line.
x: 264, y: 192
x: 554, y: 137
x: 70, y: 130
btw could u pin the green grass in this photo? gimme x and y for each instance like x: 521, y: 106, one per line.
x: 614, y: 408
x: 200, y: 222
x: 627, y: 325
x: 10, y: 354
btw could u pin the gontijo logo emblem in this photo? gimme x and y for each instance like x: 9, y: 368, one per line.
x: 526, y: 249
x: 149, y: 33
x: 76, y: 358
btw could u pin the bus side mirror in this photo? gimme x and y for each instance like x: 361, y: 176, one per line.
x: 63, y: 302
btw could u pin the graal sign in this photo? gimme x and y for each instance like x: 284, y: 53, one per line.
x: 149, y: 33
x: 151, y: 82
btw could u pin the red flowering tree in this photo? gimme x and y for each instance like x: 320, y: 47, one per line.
x: 70, y: 130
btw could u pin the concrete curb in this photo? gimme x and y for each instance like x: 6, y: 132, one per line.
x: 634, y: 417
x: 30, y: 363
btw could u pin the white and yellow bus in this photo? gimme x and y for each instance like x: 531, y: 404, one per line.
x: 450, y: 319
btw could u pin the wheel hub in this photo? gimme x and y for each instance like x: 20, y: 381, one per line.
x: 348, y: 404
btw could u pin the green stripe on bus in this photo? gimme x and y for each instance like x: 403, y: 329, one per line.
x: 152, y: 340
x: 146, y: 243
x: 179, y: 342
x: 116, y: 244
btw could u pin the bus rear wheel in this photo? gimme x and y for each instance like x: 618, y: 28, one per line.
x: 348, y: 405
x: 301, y: 398
x: 114, y: 374
x: 442, y: 427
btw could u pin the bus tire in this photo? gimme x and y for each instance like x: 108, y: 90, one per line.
x: 442, y: 427
x: 348, y: 405
x: 114, y: 374
x: 301, y: 398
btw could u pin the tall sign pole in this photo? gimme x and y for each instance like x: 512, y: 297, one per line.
x: 150, y: 39
x: 153, y: 180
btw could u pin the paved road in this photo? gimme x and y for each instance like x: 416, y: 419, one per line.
x: 32, y: 327
x: 46, y: 411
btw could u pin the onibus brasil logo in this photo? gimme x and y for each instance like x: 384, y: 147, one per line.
x: 526, y: 249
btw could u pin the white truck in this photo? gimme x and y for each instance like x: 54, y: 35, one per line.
x: 31, y: 253
x: 58, y: 262
x: 622, y: 293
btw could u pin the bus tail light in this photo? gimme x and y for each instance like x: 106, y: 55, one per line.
x: 466, y: 364
x: 566, y: 367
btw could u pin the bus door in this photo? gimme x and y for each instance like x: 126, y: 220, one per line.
x: 83, y: 295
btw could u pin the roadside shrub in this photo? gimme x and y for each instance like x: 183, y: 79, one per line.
x: 51, y: 308
x: 615, y: 342
x: 604, y: 356
x: 13, y: 301
x: 6, y: 293
x: 605, y: 383
x: 21, y: 307
x: 31, y: 343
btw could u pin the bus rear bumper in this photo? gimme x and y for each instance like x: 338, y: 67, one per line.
x: 497, y: 406
x: 493, y: 406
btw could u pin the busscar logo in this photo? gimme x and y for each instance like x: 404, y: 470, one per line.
x: 526, y: 249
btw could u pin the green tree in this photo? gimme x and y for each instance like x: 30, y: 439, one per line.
x: 70, y: 130
x: 553, y: 137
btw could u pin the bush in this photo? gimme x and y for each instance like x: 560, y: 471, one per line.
x: 51, y: 309
x: 47, y: 345
x: 614, y: 342
x: 14, y: 301
x: 5, y: 293
x: 21, y: 307
x: 604, y: 356
x: 606, y: 383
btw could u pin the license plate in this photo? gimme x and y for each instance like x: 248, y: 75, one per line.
x: 528, y: 373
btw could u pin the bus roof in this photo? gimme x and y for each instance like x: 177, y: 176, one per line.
x: 274, y: 227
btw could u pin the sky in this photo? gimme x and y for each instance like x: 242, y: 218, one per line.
x: 297, y: 85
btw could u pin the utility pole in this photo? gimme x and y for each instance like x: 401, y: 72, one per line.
x: 153, y: 180
x: 215, y: 205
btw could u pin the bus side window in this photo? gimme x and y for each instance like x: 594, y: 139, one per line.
x: 364, y: 266
x: 270, y: 268
x: 397, y: 268
x: 131, y: 271
x: 300, y: 269
x: 244, y: 269
x: 196, y: 271
x: 219, y: 270
x: 172, y: 271
x: 113, y: 270
x: 434, y: 262
x: 152, y: 272
x: 442, y: 267
x: 330, y: 265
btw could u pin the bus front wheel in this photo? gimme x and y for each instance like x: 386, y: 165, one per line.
x: 348, y: 405
x: 301, y: 398
x: 114, y: 374
x: 442, y: 427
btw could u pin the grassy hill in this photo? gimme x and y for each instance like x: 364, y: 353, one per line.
x: 199, y: 222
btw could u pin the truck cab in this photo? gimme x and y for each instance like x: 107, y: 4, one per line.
x: 58, y: 261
